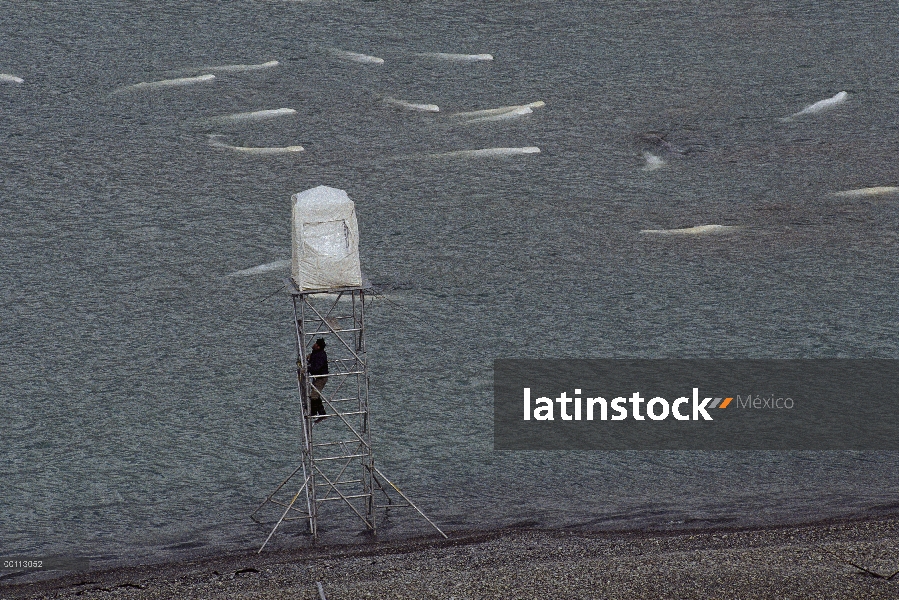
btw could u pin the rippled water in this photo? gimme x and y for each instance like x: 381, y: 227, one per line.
x: 148, y: 397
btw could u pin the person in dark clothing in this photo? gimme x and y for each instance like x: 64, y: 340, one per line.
x: 318, y: 365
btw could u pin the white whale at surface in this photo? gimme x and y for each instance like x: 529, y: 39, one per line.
x: 457, y: 57
x: 217, y: 143
x: 653, y: 162
x: 493, y: 113
x: 412, y: 106
x: 488, y: 152
x: 7, y: 78
x: 698, y: 230
x: 867, y: 192
x: 266, y: 268
x: 256, y: 115
x: 242, y: 68
x: 357, y: 57
x: 267, y: 150
x: 166, y: 83
x: 820, y: 106
x: 514, y: 113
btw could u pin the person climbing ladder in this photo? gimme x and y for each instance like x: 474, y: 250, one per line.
x: 318, y: 366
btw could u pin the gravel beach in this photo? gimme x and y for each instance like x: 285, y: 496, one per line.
x: 849, y: 559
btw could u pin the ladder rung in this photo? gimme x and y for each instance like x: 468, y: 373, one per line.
x: 339, y: 457
x: 346, y: 414
x: 330, y: 499
x: 356, y: 398
x: 337, y: 374
x: 356, y: 441
x: 326, y: 484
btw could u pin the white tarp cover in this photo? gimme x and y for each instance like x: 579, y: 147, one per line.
x: 325, y: 240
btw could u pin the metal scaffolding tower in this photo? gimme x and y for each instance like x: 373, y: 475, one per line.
x: 337, y: 462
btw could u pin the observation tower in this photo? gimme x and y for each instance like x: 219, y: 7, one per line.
x: 328, y: 294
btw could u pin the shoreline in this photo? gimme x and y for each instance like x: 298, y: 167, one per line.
x: 856, y: 558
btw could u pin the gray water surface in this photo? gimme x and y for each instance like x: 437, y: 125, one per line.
x: 148, y: 399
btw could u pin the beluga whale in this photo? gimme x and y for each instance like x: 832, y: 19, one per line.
x: 518, y: 111
x: 820, y: 106
x: 457, y: 57
x: 412, y: 106
x: 261, y: 151
x: 488, y: 152
x: 698, y: 230
x: 357, y: 57
x: 653, y: 162
x: 228, y: 69
x: 7, y: 78
x: 266, y: 268
x: 255, y: 115
x: 167, y: 83
x: 242, y: 68
x: 867, y: 192
x: 498, y: 114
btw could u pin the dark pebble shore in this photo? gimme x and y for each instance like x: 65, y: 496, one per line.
x: 847, y: 559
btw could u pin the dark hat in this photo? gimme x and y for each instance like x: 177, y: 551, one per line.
x: 321, y: 342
